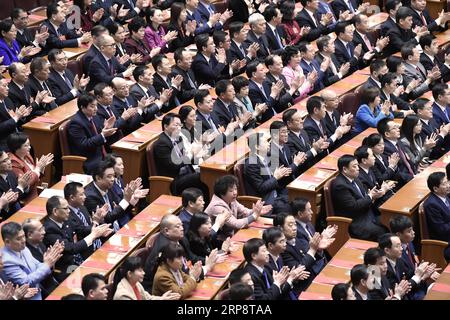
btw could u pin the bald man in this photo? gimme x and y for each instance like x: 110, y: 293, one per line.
x: 105, y: 66
x: 333, y: 118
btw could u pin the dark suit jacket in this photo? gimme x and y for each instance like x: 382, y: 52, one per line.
x: 431, y: 23
x: 4, y: 187
x: 343, y: 56
x: 119, y: 106
x: 187, y: 91
x: 382, y: 171
x: 86, y: 59
x: 296, y: 145
x: 314, y: 66
x: 83, y: 141
x: 314, y: 132
x: 264, y: 49
x: 389, y: 149
x: 207, y: 73
x: 304, y: 20
x: 329, y: 77
x: 59, y: 87
x: 137, y: 93
x: 387, y: 25
x: 38, y: 252
x: 401, y: 104
x: 294, y: 256
x: 428, y: 64
x: 340, y: 6
x: 442, y: 145
x: 120, y: 123
x: 285, y: 98
x: 26, y: 38
x: 159, y: 84
x: 286, y: 160
x: 439, y: 115
x: 274, y: 46
x: 438, y: 218
x: 261, y: 291
x: 100, y: 72
x: 224, y: 114
x: 398, y: 38
x: 348, y: 202
x: 256, y: 96
x: 7, y: 124
x: 126, y: 5
x: 21, y: 97
x: 35, y: 86
x: 80, y: 229
x: 54, y: 40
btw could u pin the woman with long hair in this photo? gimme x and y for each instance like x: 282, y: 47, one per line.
x: 178, y: 23
x: 127, y: 283
x: 294, y: 33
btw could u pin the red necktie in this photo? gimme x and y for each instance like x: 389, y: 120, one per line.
x: 368, y: 44
x: 423, y: 19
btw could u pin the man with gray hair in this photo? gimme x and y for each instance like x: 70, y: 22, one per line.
x: 257, y: 35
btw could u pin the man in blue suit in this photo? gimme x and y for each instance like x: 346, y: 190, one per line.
x: 346, y: 51
x: 207, y: 13
x: 437, y: 209
x: 192, y: 201
x: 19, y: 265
x: 105, y: 66
x: 87, y: 134
x: 203, y: 26
x: 441, y: 105
x: 309, y: 64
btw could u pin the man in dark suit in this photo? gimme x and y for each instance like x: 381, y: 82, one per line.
x: 422, y: 17
x: 274, y: 31
x: 276, y: 244
x: 441, y: 105
x: 25, y: 37
x: 402, y: 34
x: 105, y: 66
x: 310, y: 65
x: 192, y: 201
x: 168, y: 150
x: 260, y: 90
x: 352, y: 6
x: 207, y: 68
x: 88, y: 134
x: 62, y: 82
x: 390, y: 131
x: 309, y: 17
x: 424, y: 110
x: 298, y: 140
x: 333, y: 118
x: 351, y: 199
x: 163, y: 82
x: 9, y: 182
x: 367, y: 41
x: 239, y: 49
x: 429, y: 57
x: 315, y: 124
x: 207, y: 14
x: 94, y: 49
x: 378, y: 68
x: 267, y: 286
x: 346, y: 50
x: 363, y: 283
x: 437, y: 209
x: 189, y: 85
x: 60, y: 36
x: 335, y: 70
x: 37, y: 82
x: 135, y: 8
x: 391, y: 8
x: 389, y: 85
x: 275, y: 65
x: 257, y: 35
x: 144, y: 89
x: 10, y: 118
x: 57, y: 228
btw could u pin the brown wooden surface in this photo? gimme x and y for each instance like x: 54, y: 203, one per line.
x: 441, y: 288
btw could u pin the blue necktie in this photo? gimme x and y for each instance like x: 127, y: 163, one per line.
x: 67, y: 81
x: 277, y: 36
x: 266, y: 278
x: 115, y: 223
x: 350, y: 6
x: 357, y: 188
x: 97, y: 243
x: 349, y: 50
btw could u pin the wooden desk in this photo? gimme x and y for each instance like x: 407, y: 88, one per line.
x: 128, y: 239
x: 441, y: 288
x: 337, y: 270
x: 74, y: 53
x: 377, y: 19
x: 443, y: 38
x: 36, y: 18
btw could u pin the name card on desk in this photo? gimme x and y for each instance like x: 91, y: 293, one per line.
x: 48, y: 193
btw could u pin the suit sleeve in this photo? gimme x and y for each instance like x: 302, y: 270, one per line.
x: 435, y: 219
x: 348, y: 203
x: 253, y: 174
x: 79, y: 138
x: 17, y: 275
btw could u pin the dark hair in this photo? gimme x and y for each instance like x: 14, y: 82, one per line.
x: 53, y: 53
x: 407, y: 128
x: 149, y: 13
x: 288, y: 114
x: 239, y: 82
x: 403, y: 13
x: 439, y: 90
x: 322, y: 42
x: 219, y: 36
x: 426, y: 40
x: 254, y: 140
x: 236, y: 275
x: 383, y: 126
x: 184, y: 112
x: 344, y: 161
x: 361, y: 153
x: 15, y: 12
x: 447, y: 171
x: 419, y: 104
x: 391, y: 4
x: 298, y: 205
x: 178, y: 54
x: 190, y: 194
x: 387, y: 79
x: 175, y: 11
x: 359, y: 272
x: 270, y: 12
x: 52, y: 9
x: 376, y: 65
x: 113, y: 27
x: 201, y: 41
x: 280, y: 219
x: 303, y: 46
x: 111, y: 158
x: 372, y: 255
x: 197, y: 220
x: 287, y: 10
x: 384, y: 241
x: 168, y: 118
x: 200, y: 95
x: 252, y: 247
x: 10, y: 230
x: 130, y: 264
x: 221, y: 86
x: 272, y: 235
x: 251, y: 68
x: 240, y: 291
x: 97, y: 30
x: 372, y: 140
x: 314, y: 102
x: 84, y: 100
x: 368, y: 95
x: 288, y: 53
x: 98, y: 89
x: 269, y: 61
x: 157, y: 60
x: 434, y: 180
x: 235, y: 27
x: 73, y: 296
x: 16, y: 140
x: 90, y: 282
x: 52, y: 203
x: 171, y: 251
x: 71, y: 188
x: 399, y: 223
x: 339, y: 291
x: 393, y: 63
x: 224, y: 183
x: 138, y: 71
x: 37, y: 64
x: 340, y: 27
x: 407, y: 51
x: 100, y: 169
x: 275, y: 126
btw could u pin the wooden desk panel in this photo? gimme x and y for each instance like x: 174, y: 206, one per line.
x: 441, y: 288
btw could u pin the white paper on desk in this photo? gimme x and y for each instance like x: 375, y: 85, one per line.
x: 48, y: 193
x: 84, y: 179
